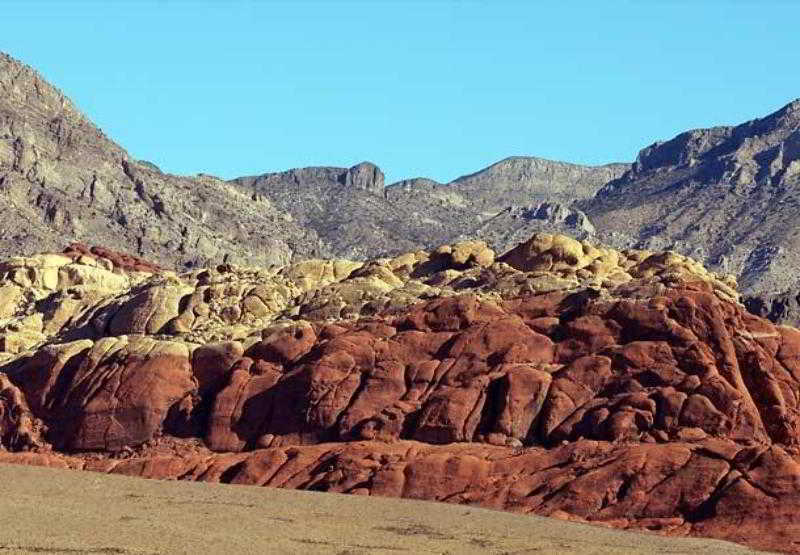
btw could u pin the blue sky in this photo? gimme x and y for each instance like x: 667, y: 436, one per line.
x: 434, y: 88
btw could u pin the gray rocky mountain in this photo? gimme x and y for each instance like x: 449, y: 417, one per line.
x: 355, y: 215
x: 727, y: 196
x: 521, y: 179
x: 63, y: 180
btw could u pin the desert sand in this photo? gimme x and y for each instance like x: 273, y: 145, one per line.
x: 61, y: 511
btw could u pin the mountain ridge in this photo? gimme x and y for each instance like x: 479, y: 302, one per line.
x: 63, y: 180
x: 726, y: 195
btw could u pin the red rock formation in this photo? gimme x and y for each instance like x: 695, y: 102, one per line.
x: 19, y: 429
x: 675, y: 411
x: 686, y: 365
x: 121, y: 261
x: 106, y: 397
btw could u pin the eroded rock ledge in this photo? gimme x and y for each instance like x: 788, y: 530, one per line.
x: 564, y: 379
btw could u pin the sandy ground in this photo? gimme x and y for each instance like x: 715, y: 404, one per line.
x: 59, y: 511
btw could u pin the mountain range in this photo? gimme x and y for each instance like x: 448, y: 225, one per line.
x: 726, y: 196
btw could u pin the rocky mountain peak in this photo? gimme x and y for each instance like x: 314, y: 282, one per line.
x: 365, y: 175
x: 684, y: 149
x: 542, y: 176
x: 21, y: 84
x: 727, y: 148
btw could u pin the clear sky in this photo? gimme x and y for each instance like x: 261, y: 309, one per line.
x: 421, y: 88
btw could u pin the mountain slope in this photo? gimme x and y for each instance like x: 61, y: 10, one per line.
x: 725, y: 195
x: 62, y: 179
x: 523, y: 179
x: 355, y: 216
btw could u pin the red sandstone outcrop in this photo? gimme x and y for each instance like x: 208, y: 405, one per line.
x: 624, y: 388
x: 119, y: 260
x: 19, y: 429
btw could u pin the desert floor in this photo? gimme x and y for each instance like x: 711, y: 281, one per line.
x: 59, y: 511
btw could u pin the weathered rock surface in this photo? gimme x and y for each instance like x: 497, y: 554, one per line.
x: 19, y: 429
x: 627, y: 388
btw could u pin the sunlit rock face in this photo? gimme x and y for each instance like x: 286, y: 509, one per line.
x: 559, y: 378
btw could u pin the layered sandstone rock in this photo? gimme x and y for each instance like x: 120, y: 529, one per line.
x: 561, y: 378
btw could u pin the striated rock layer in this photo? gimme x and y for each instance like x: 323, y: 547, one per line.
x: 563, y: 379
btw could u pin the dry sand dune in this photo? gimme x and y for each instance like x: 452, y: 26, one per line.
x: 60, y: 511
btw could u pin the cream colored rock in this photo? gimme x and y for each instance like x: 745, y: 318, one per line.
x: 311, y: 274
x: 149, y: 310
x: 10, y: 297
x: 78, y: 274
x: 231, y: 303
x: 475, y: 252
x: 22, y: 333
